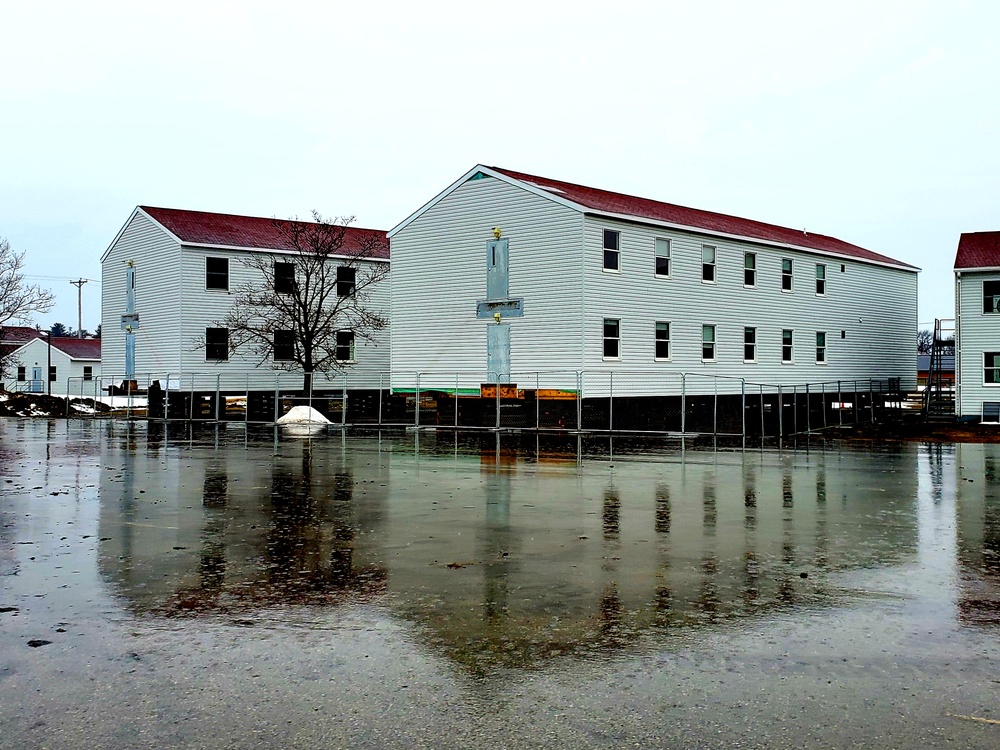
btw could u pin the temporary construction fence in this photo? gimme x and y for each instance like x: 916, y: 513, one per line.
x: 577, y: 401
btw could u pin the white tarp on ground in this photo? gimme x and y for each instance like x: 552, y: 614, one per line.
x: 303, y: 415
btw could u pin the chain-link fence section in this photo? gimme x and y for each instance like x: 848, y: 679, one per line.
x: 571, y: 401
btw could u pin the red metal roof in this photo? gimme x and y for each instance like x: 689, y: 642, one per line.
x: 978, y: 250
x: 228, y: 230
x: 604, y: 201
x: 78, y: 348
x: 18, y: 334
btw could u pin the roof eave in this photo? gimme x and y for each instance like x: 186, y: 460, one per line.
x: 275, y: 251
x: 744, y: 238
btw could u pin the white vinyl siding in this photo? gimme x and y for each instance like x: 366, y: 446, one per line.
x: 158, y: 299
x: 439, y: 273
x: 977, y: 334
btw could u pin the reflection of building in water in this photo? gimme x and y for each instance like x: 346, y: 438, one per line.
x: 978, y: 513
x: 225, y: 528
x: 499, y: 560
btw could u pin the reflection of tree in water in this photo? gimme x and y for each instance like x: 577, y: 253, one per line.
x: 307, y: 554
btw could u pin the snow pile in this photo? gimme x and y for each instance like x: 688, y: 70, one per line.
x: 303, y: 415
x: 4, y: 398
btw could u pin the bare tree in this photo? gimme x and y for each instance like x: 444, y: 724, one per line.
x: 18, y: 300
x: 925, y: 341
x: 310, y: 304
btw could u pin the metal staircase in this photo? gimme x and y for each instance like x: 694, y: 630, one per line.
x: 939, y: 395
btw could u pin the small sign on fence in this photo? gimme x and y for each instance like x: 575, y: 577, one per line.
x: 507, y: 390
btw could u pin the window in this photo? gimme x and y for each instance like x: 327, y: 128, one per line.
x: 345, y: 346
x: 52, y: 373
x: 786, y: 345
x: 749, y: 269
x: 284, y: 346
x: 612, y: 240
x: 708, y: 264
x: 820, y: 347
x: 749, y: 344
x: 284, y: 278
x: 217, y: 344
x: 662, y: 249
x: 991, y: 296
x: 662, y: 340
x: 88, y: 372
x: 22, y: 374
x: 708, y: 343
x: 345, y: 281
x: 820, y: 278
x: 991, y: 368
x: 786, y: 275
x: 612, y: 338
x: 217, y: 273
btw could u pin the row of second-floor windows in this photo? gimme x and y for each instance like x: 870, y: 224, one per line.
x: 662, y: 264
x: 283, y: 346
x: 662, y: 342
x: 282, y: 277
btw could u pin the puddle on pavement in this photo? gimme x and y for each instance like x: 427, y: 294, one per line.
x: 502, y: 552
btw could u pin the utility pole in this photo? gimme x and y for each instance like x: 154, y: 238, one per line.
x: 79, y: 305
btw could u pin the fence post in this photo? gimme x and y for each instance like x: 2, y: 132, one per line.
x: 871, y: 401
x: 246, y: 395
x: 497, y: 385
x: 343, y: 402
x: 808, y: 410
x: 277, y: 396
x: 824, y: 404
x: 416, y: 402
x: 761, y: 414
x: 795, y: 409
x: 455, y: 400
x: 683, y: 403
x: 715, y: 409
x: 781, y: 412
x: 743, y: 410
x: 538, y: 413
x: 579, y: 401
x: 166, y: 399
x: 611, y: 401
x: 190, y: 400
x: 381, y: 385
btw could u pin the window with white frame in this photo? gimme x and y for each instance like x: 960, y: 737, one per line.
x: 22, y: 373
x: 88, y: 372
x: 284, y: 346
x: 749, y: 269
x: 991, y: 296
x: 344, y: 351
x: 612, y: 338
x: 991, y: 368
x: 708, y: 264
x: 217, y: 273
x: 284, y: 278
x: 662, y: 259
x: 612, y: 250
x: 820, y: 278
x: 749, y: 344
x: 786, y: 274
x: 346, y: 276
x: 786, y: 345
x: 708, y: 343
x: 217, y: 344
x: 52, y: 374
x: 662, y: 340
x: 820, y: 347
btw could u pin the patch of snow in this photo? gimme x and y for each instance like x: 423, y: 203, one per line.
x: 303, y: 415
x: 4, y: 398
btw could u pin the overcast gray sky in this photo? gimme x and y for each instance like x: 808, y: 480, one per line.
x: 875, y: 122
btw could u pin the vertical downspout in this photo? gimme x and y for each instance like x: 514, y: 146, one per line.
x: 583, y: 300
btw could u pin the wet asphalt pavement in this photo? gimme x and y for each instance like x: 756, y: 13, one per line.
x: 218, y: 588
